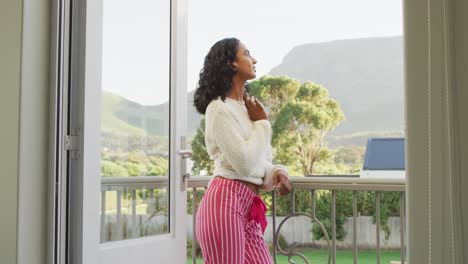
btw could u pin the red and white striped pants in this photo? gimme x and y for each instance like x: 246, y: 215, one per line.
x: 223, y: 229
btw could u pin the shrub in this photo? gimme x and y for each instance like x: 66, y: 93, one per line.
x: 189, y: 249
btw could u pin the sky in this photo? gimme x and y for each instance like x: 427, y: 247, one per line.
x: 136, y: 44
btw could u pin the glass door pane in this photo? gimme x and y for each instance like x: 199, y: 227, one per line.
x: 135, y: 119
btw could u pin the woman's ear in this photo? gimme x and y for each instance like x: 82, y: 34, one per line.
x: 234, y: 66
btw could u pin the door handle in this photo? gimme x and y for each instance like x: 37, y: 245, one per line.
x: 185, y: 154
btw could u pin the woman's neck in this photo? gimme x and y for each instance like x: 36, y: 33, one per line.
x: 237, y: 90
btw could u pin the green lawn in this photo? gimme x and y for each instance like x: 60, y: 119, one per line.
x: 342, y: 257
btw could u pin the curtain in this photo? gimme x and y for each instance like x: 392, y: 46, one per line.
x: 436, y: 57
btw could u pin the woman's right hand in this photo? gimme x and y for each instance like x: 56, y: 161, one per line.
x: 255, y: 109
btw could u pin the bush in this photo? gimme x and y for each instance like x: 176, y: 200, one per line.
x: 389, y: 206
x: 282, y: 242
x: 108, y: 168
x: 303, y: 202
x: 323, y: 214
x: 189, y: 249
x: 200, y: 193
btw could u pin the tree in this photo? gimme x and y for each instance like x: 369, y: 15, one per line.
x: 201, y: 159
x: 109, y: 168
x: 350, y: 155
x: 301, y: 114
x: 274, y: 92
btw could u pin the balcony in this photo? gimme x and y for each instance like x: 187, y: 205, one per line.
x: 133, y: 225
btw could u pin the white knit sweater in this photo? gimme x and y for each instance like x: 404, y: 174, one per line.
x: 240, y: 147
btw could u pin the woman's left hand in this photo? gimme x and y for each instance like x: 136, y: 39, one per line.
x: 281, y: 182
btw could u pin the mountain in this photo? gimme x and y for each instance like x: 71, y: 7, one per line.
x: 124, y: 117
x: 364, y: 75
x: 112, y: 104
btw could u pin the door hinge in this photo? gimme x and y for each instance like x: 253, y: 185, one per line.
x: 72, y: 144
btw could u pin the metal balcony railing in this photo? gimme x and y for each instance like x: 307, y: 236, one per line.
x: 312, y: 184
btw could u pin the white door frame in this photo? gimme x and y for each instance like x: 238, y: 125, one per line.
x: 83, y: 243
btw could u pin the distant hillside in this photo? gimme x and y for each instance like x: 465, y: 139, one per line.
x: 364, y: 75
x: 110, y: 121
x: 125, y: 117
x: 359, y: 138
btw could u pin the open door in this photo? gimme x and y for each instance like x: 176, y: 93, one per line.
x: 127, y: 116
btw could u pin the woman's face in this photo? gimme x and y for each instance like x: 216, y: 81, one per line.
x: 244, y: 63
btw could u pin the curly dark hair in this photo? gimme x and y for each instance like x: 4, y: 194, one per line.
x: 216, y: 75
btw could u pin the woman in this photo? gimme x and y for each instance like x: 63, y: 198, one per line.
x: 231, y: 217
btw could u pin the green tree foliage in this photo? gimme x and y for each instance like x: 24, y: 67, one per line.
x: 154, y: 170
x: 201, y: 159
x: 323, y: 210
x: 135, y: 168
x: 389, y: 206
x: 199, y: 194
x: 109, y: 168
x: 116, y: 143
x: 189, y: 249
x: 302, y: 114
x: 135, y: 163
x: 349, y: 155
x: 344, y: 160
x: 158, y: 166
x: 274, y: 92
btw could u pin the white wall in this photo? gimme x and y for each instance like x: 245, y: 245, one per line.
x: 34, y: 123
x: 10, y: 61
x: 24, y: 34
